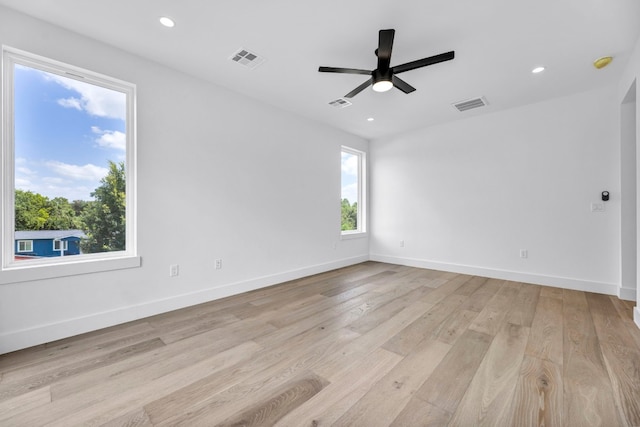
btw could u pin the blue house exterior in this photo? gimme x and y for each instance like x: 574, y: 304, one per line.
x: 47, y: 243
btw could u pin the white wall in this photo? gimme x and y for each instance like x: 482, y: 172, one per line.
x: 219, y: 176
x: 630, y: 80
x: 466, y: 196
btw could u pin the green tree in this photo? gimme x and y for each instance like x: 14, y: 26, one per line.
x: 349, y: 215
x: 62, y: 215
x: 31, y: 210
x: 36, y: 212
x: 104, y: 218
x: 78, y: 206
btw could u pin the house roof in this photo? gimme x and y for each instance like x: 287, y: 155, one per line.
x: 48, y: 234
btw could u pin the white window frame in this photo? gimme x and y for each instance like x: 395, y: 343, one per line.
x: 362, y: 194
x: 25, y: 242
x: 37, y: 269
x: 65, y: 245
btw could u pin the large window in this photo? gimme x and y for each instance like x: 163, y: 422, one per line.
x: 68, y: 148
x: 353, y: 191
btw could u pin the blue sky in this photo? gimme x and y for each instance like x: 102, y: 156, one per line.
x: 66, y: 131
x: 349, y: 177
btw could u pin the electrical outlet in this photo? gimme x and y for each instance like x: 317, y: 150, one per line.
x: 219, y: 264
x: 524, y: 253
x: 174, y: 270
x: 402, y: 243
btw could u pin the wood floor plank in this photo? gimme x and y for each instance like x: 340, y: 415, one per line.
x: 151, y: 365
x: 551, y: 292
x: 12, y: 389
x: 538, y: 397
x: 488, y: 398
x: 478, y: 300
x: 64, y: 352
x: 625, y: 310
x: 588, y: 396
x: 470, y: 285
x: 384, y: 402
x: 224, y: 393
x: 334, y: 317
x: 491, y: 318
x: 546, y: 338
x: 389, y: 307
x: 423, y: 327
x: 523, y: 308
x: 448, y: 384
x: 248, y: 328
x: 452, y: 328
x: 326, y: 407
x: 24, y: 403
x: 106, y: 401
x: 419, y: 413
x: 335, y: 365
x: 136, y: 418
x: 269, y: 411
x: 621, y: 356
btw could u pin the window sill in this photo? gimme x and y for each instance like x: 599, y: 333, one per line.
x: 354, y: 235
x: 29, y: 273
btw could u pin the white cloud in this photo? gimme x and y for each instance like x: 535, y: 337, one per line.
x: 110, y: 138
x: 87, y: 172
x: 349, y: 164
x: 25, y: 171
x: 23, y: 184
x: 95, y: 100
x: 71, y: 103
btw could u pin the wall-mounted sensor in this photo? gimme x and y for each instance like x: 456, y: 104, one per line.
x: 605, y: 196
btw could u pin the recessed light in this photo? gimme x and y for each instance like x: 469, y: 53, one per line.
x: 537, y: 70
x: 167, y: 22
x: 370, y: 119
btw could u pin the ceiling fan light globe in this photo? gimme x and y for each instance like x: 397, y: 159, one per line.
x: 382, y: 86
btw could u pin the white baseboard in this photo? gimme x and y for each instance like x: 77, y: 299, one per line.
x: 636, y: 315
x: 627, y: 294
x: 17, y: 340
x: 538, y: 279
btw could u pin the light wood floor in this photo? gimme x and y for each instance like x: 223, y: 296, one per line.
x: 368, y: 345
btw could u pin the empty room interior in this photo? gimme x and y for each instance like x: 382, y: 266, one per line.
x: 340, y: 213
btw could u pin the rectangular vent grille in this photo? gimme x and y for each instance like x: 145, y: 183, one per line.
x: 247, y: 58
x: 340, y: 103
x: 470, y: 104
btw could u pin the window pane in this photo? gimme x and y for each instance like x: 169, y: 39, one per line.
x: 350, y: 190
x: 70, y: 153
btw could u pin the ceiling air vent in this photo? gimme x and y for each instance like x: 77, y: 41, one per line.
x: 470, y: 104
x: 247, y: 58
x: 340, y: 103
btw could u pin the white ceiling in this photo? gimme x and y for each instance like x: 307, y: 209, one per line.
x: 497, y: 43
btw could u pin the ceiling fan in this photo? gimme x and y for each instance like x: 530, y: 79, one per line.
x: 384, y: 77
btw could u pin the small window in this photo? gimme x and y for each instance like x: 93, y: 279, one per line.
x: 60, y: 245
x: 25, y: 245
x: 353, y: 191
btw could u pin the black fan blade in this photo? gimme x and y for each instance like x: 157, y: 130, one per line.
x: 385, y: 45
x: 343, y: 70
x: 402, y: 85
x: 359, y: 89
x: 448, y: 56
